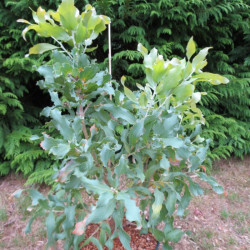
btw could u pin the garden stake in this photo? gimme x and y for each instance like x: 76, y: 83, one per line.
x: 109, y: 41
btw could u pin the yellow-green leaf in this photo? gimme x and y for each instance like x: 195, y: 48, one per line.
x: 41, y: 48
x: 23, y: 21
x: 55, y: 15
x: 213, y: 78
x: 190, y: 48
x: 41, y: 14
x: 157, y: 205
x: 184, y: 91
x: 142, y: 49
x: 123, y: 79
x: 200, y: 57
x: 68, y: 14
x: 143, y: 99
x: 131, y: 96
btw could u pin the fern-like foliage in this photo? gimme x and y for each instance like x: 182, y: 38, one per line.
x: 20, y: 100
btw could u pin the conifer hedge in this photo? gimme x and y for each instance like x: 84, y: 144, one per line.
x: 164, y: 24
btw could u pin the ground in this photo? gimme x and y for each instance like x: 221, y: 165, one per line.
x: 212, y: 221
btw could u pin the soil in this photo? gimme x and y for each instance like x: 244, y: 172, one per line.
x: 212, y: 221
x: 140, y: 242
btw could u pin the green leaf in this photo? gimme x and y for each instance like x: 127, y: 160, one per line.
x: 17, y: 193
x: 166, y: 246
x: 48, y: 142
x: 95, y: 186
x: 50, y: 225
x: 158, y: 234
x: 175, y: 235
x: 122, y: 166
x: 132, y: 211
x: 62, y: 124
x: 184, y: 202
x: 170, y: 203
x: 190, y: 48
x: 136, y: 132
x: 91, y: 49
x: 37, y: 214
x: 101, y: 213
x: 34, y: 137
x: 69, y: 222
x: 96, y: 242
x: 124, y: 238
x: 60, y: 150
x: 195, y: 160
x: 143, y: 99
x: 119, y: 112
x: 106, y: 154
x: 131, y: 96
x: 35, y: 196
x: 41, y: 48
x: 157, y: 205
x: 164, y: 163
x: 216, y: 187
x: 173, y: 142
x: 195, y: 188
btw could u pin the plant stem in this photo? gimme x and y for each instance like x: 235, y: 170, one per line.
x: 63, y: 48
x: 84, y: 129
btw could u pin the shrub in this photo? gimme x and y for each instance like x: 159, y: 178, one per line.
x: 117, y: 146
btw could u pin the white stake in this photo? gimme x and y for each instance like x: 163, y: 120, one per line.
x: 109, y: 41
x: 109, y: 38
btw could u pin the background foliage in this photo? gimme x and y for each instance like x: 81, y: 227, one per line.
x: 164, y: 24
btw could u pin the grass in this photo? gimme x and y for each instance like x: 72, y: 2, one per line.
x: 203, y: 238
x: 231, y: 241
x: 224, y: 214
x: 23, y: 203
x: 234, y: 197
x: 3, y: 214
